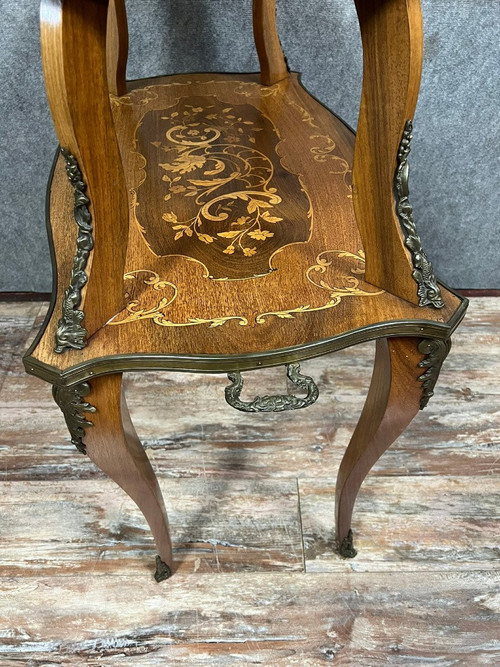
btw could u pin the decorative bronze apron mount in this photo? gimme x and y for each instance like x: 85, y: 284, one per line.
x: 278, y: 402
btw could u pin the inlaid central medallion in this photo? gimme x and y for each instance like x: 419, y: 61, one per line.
x: 226, y: 199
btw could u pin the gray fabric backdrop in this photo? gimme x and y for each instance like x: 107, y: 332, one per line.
x: 455, y: 156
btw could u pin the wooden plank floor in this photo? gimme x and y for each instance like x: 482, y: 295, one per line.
x: 251, y: 500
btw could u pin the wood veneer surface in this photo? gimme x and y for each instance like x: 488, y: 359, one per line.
x: 242, y: 235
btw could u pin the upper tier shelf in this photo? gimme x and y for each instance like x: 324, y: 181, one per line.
x: 242, y: 236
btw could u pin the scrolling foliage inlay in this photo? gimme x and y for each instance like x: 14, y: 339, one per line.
x: 429, y: 292
x: 224, y: 191
x: 70, y: 332
x: 334, y: 274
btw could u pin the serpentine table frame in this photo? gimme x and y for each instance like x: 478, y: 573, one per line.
x: 225, y: 222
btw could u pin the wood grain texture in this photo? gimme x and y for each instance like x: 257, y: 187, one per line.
x: 352, y: 618
x: 73, y: 38
x: 243, y: 491
x: 117, y: 47
x: 393, y: 401
x: 113, y: 445
x: 392, y: 35
x: 232, y: 525
x: 311, y: 289
x: 208, y: 183
x: 273, y: 66
x: 16, y: 322
x: 414, y: 524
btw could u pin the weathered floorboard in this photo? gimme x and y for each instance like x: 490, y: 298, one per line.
x: 92, y: 526
x: 271, y: 619
x: 16, y: 323
x: 407, y: 523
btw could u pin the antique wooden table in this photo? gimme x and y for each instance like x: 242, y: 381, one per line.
x: 226, y: 222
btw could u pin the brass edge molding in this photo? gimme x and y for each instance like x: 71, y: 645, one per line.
x: 70, y: 400
x: 70, y: 333
x: 205, y: 363
x: 218, y: 363
x: 435, y: 351
x: 221, y: 363
x: 428, y: 291
x: 277, y: 402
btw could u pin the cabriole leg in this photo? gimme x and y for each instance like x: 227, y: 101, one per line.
x: 399, y: 389
x: 100, y: 425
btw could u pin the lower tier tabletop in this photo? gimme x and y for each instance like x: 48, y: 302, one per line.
x: 242, y: 236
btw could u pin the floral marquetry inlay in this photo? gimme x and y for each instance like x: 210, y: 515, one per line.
x: 324, y: 150
x: 158, y: 312
x: 239, y: 197
x: 336, y: 274
x: 223, y: 187
x: 337, y: 279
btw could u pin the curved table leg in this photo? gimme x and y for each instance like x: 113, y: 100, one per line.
x: 398, y: 390
x: 113, y: 445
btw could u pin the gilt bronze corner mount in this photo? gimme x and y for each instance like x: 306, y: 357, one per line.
x: 429, y: 292
x: 70, y: 400
x: 435, y: 351
x: 70, y: 332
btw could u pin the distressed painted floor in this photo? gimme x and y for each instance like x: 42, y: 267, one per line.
x: 251, y: 501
